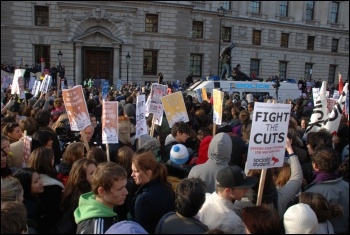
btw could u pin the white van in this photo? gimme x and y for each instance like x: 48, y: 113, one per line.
x: 242, y: 88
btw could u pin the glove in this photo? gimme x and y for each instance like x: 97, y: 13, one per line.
x: 10, y: 104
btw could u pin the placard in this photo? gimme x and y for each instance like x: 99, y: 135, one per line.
x: 174, y: 107
x: 109, y: 122
x: 141, y: 125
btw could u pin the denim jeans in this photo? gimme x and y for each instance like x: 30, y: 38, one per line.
x: 225, y: 73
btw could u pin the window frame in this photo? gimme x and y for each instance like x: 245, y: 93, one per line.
x: 225, y: 31
x: 226, y: 5
x: 199, y: 27
x: 308, y: 68
x: 44, y: 14
x: 284, y: 40
x: 153, y: 62
x: 310, y: 10
x: 334, y: 12
x: 310, y: 43
x: 332, y: 73
x: 256, y: 37
x: 255, y: 7
x: 152, y: 25
x: 335, y: 45
x: 284, y: 5
x: 42, y: 51
x: 282, y: 69
x: 254, y: 67
x: 199, y: 68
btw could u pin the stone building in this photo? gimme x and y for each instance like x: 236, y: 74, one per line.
x: 292, y: 39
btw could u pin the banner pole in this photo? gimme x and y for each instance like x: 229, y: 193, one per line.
x: 152, y: 127
x: 107, y: 151
x: 261, y: 186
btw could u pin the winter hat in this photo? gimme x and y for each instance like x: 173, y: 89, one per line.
x: 179, y: 154
x: 147, y: 142
x: 130, y: 110
x: 126, y: 227
x: 300, y: 219
x: 234, y: 177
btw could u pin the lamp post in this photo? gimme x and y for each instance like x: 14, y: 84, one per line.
x: 128, y: 57
x: 221, y: 11
x: 59, y: 55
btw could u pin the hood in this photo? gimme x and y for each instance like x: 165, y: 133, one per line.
x: 220, y: 148
x: 203, y: 150
x: 170, y: 138
x: 90, y: 208
x: 64, y: 168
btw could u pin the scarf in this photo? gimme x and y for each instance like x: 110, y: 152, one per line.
x: 324, y: 176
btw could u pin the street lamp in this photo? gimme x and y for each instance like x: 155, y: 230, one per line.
x: 59, y: 54
x: 221, y: 11
x: 128, y: 57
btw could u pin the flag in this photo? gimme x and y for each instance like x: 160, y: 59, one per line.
x: 341, y: 85
x: 320, y: 112
x: 333, y: 120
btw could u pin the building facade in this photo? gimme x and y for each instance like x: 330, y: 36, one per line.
x: 291, y: 39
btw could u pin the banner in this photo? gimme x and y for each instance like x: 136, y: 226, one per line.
x: 141, y: 126
x: 268, y: 135
x: 218, y: 97
x: 319, y: 113
x: 315, y: 94
x: 157, y: 92
x: 109, y: 122
x: 77, y: 111
x: 105, y: 89
x: 333, y: 120
x: 174, y: 108
x: 45, y: 84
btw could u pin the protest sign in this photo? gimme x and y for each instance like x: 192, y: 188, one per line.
x: 204, y: 94
x: 333, y: 120
x: 45, y: 84
x: 157, y: 92
x: 330, y: 104
x: 62, y: 84
x: 141, y: 126
x: 75, y: 104
x: 18, y: 83
x: 174, y: 107
x: 268, y: 135
x: 109, y: 122
x: 336, y: 94
x: 105, y: 89
x: 218, y: 97
x: 35, y: 90
x: 6, y: 79
x: 315, y: 94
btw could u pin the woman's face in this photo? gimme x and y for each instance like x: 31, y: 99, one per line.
x: 310, y: 149
x: 37, y: 184
x: 303, y: 124
x: 89, y: 172
x: 140, y: 177
x: 3, y: 159
x: 16, y: 133
x: 5, y: 145
x: 93, y: 122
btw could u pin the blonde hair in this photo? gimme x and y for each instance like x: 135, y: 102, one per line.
x: 11, y: 189
x: 59, y: 122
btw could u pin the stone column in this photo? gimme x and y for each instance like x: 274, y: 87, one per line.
x: 116, y: 63
x: 78, y: 63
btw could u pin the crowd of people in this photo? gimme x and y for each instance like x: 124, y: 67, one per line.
x: 184, y: 179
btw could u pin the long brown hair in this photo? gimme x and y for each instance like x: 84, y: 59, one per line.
x: 41, y: 161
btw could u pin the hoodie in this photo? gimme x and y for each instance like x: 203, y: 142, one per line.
x: 219, y: 154
x: 93, y: 217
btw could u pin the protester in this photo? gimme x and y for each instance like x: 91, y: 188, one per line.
x: 300, y: 219
x: 13, y: 218
x: 5, y: 169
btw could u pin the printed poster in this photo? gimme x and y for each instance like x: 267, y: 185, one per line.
x: 330, y: 104
x: 204, y: 94
x: 218, y: 97
x: 77, y: 111
x: 6, y: 79
x: 315, y: 94
x: 157, y: 92
x: 268, y: 135
x: 45, y: 84
x: 18, y: 83
x: 109, y: 122
x: 141, y: 126
x: 174, y: 107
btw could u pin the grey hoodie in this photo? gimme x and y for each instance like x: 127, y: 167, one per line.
x: 219, y: 154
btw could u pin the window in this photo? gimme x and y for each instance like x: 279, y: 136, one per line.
x: 197, y: 29
x: 255, y: 7
x: 334, y: 12
x: 308, y: 71
x: 196, y: 65
x: 282, y: 70
x: 335, y: 43
x: 284, y: 40
x: 150, y: 58
x: 331, y: 73
x: 254, y: 66
x: 41, y: 15
x: 226, y: 34
x: 42, y: 51
x: 256, y: 37
x: 226, y: 5
x: 310, y: 43
x: 310, y: 7
x: 284, y: 8
x: 151, y: 23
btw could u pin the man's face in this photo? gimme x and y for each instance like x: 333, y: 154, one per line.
x: 117, y: 194
x: 89, y: 132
